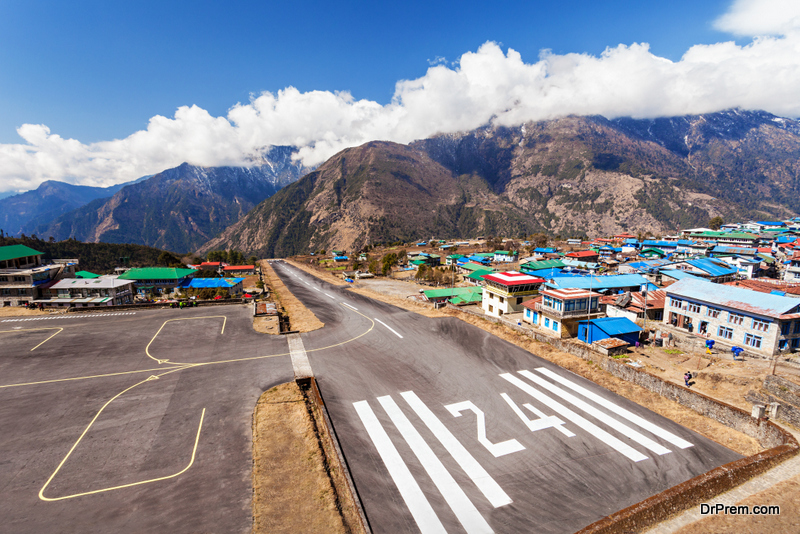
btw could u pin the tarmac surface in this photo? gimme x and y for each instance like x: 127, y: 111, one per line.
x: 142, y: 422
x: 449, y: 429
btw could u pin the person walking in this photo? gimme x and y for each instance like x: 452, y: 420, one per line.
x: 686, y: 377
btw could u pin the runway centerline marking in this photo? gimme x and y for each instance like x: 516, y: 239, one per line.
x: 390, y: 328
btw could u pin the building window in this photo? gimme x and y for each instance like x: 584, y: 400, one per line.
x: 693, y: 308
x: 676, y: 303
x: 555, y: 326
x: 761, y: 326
x: 785, y: 328
x: 735, y: 318
x: 725, y: 333
x: 796, y: 343
x: 752, y: 341
x: 797, y: 327
x: 546, y: 322
x: 713, y: 312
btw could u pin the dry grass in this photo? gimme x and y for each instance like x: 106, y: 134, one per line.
x: 300, y: 317
x: 319, y: 272
x: 292, y: 491
x: 786, y: 495
x: 13, y: 311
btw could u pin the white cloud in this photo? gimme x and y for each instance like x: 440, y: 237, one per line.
x: 484, y: 86
x: 761, y: 17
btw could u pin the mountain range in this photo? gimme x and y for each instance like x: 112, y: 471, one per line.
x: 569, y: 177
x: 575, y: 176
x: 22, y: 213
x: 178, y: 209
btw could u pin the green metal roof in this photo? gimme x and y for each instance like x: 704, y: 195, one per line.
x: 453, y: 292
x: 86, y: 274
x: 737, y: 235
x: 156, y: 273
x: 544, y: 264
x: 12, y: 252
x: 473, y: 267
x: 479, y: 274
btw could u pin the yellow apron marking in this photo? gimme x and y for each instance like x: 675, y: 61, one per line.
x: 112, y: 488
x: 34, y: 329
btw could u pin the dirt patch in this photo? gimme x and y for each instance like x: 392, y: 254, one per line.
x: 12, y: 311
x: 318, y: 272
x: 786, y: 495
x: 292, y: 489
x: 301, y: 318
x: 266, y: 324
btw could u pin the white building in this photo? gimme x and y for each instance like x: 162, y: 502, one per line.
x: 505, y: 292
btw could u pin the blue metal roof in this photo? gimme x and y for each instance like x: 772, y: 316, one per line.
x: 614, y: 326
x: 678, y: 274
x: 713, y: 268
x: 541, y: 250
x: 734, y: 297
x: 653, y: 243
x: 650, y: 265
x: 202, y: 283
x: 771, y: 223
x: 598, y: 283
x: 547, y: 274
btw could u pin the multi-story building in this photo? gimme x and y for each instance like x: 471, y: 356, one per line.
x: 761, y: 323
x: 792, y: 272
x: 557, y: 311
x: 157, y: 279
x: 505, y: 292
x: 89, y: 292
x: 23, y: 276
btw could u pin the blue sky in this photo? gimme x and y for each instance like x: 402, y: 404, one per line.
x: 99, y: 70
x: 94, y: 72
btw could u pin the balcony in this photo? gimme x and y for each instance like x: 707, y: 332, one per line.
x: 538, y: 306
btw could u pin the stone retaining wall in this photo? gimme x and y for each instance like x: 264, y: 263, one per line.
x: 783, y: 389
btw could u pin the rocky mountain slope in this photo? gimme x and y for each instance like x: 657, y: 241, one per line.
x: 576, y: 176
x: 23, y: 212
x: 178, y: 209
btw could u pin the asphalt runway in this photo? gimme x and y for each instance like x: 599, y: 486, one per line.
x: 449, y: 429
x: 90, y: 441
x: 142, y: 422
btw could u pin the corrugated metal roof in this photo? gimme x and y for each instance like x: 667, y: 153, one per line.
x: 513, y: 278
x: 616, y: 281
x: 156, y: 273
x: 12, y: 252
x: 713, y: 268
x: 614, y: 326
x: 734, y: 297
x: 678, y: 274
x: 203, y: 283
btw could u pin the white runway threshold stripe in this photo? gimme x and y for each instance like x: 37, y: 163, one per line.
x: 71, y: 316
x: 466, y: 512
x: 625, y: 430
x: 300, y: 363
x: 392, y: 330
x: 421, y: 510
x: 484, y: 482
x: 566, y: 413
x: 622, y: 412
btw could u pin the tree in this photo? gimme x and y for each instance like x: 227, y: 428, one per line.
x: 389, y: 260
x: 252, y: 260
x: 218, y: 255
x: 422, y: 272
x: 716, y: 223
x: 168, y: 259
x: 373, y: 266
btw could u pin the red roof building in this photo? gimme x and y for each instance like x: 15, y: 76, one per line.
x: 239, y: 269
x: 504, y: 292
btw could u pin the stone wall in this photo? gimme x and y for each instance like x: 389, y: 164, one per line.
x: 783, y: 389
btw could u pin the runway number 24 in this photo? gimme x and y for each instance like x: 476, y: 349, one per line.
x: 506, y: 447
